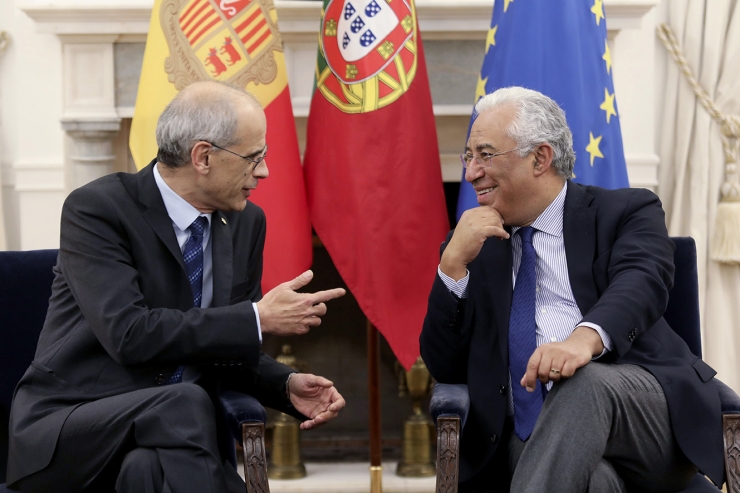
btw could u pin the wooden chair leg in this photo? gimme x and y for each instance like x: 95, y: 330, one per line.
x: 448, y: 453
x: 731, y: 428
x: 255, y: 461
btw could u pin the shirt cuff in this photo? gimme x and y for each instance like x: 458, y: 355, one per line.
x: 605, y: 337
x: 257, y: 316
x: 458, y: 288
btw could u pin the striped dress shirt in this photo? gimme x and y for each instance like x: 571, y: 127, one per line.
x: 556, y: 311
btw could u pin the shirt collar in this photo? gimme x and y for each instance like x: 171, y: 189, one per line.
x: 180, y: 211
x: 551, y: 219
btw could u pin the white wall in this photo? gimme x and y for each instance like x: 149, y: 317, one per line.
x: 31, y: 140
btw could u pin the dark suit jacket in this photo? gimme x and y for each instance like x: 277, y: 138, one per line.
x: 620, y: 266
x: 121, y: 315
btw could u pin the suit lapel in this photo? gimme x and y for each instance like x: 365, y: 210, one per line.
x: 222, y: 259
x: 156, y: 213
x: 579, y: 236
x: 496, y: 266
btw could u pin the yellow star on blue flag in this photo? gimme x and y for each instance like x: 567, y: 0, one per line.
x: 568, y: 59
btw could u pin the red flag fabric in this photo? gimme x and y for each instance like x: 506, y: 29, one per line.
x: 372, y: 164
x: 288, y: 247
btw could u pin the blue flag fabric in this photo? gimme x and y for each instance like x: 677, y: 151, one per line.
x: 560, y: 49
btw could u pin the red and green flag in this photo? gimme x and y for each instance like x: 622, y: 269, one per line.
x: 372, y: 165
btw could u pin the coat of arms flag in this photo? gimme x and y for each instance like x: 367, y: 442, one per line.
x: 567, y: 58
x: 372, y: 165
x: 234, y: 41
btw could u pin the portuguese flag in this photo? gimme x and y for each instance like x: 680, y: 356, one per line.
x: 235, y: 41
x: 372, y: 164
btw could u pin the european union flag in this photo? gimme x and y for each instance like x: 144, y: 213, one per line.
x: 560, y: 49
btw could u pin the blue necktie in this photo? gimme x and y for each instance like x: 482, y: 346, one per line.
x: 523, y: 338
x: 192, y: 254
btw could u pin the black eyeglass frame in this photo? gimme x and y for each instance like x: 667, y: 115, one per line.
x: 249, y: 158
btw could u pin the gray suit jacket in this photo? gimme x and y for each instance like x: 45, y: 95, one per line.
x: 121, y: 315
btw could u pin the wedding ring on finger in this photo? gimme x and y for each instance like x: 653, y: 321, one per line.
x: 555, y: 371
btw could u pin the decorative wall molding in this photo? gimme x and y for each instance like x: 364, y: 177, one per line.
x: 438, y: 19
x: 88, y: 32
x: 36, y: 176
x: 4, y: 41
x: 92, y: 154
x: 642, y: 170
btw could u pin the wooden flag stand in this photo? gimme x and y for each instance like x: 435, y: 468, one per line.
x: 373, y: 384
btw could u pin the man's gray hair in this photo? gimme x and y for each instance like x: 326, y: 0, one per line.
x: 538, y: 119
x: 188, y: 120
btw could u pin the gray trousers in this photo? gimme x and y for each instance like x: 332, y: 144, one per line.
x: 154, y: 440
x: 606, y: 429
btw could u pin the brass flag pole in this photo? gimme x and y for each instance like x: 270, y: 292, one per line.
x: 373, y: 384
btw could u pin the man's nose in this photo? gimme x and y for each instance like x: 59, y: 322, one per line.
x: 261, y: 171
x: 473, y: 171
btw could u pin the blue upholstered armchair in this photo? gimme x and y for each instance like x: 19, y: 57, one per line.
x: 450, y: 403
x: 24, y: 299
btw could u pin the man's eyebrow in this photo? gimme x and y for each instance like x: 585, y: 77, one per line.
x: 481, y: 147
x: 257, y: 153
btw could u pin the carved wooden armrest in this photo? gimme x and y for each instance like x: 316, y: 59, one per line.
x: 448, y: 453
x: 255, y: 461
x: 731, y: 429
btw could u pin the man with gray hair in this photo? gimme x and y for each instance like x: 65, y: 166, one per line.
x: 548, y: 304
x: 155, y: 307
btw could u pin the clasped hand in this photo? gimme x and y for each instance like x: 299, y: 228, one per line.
x: 284, y: 312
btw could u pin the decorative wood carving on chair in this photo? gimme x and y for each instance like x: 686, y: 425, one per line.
x: 731, y: 427
x: 448, y: 451
x: 255, y: 461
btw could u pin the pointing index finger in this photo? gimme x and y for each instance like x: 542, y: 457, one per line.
x: 329, y: 294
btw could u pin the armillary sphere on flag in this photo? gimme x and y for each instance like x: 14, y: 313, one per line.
x: 367, y: 53
x: 226, y: 40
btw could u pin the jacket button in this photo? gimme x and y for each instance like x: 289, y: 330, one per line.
x: 494, y: 438
x: 159, y: 379
x: 502, y: 390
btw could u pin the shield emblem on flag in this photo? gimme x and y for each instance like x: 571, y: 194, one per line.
x: 369, y: 50
x: 226, y: 40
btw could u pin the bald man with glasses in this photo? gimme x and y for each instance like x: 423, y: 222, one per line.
x: 156, y: 306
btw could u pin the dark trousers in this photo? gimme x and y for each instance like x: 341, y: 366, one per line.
x: 606, y: 429
x: 152, y: 440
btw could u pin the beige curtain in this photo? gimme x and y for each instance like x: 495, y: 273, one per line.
x: 4, y: 40
x: 692, y: 163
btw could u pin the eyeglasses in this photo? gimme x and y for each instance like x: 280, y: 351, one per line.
x: 252, y: 160
x: 484, y: 160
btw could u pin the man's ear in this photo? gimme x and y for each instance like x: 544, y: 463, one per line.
x: 542, y: 158
x: 199, y: 157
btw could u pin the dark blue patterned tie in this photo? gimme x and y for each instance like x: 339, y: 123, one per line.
x: 192, y: 254
x: 523, y: 338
